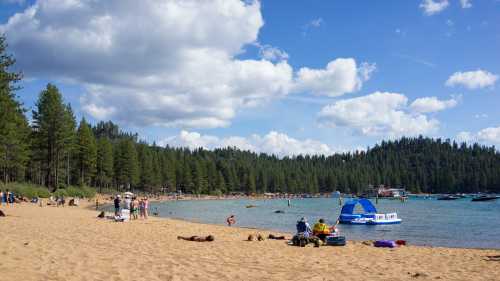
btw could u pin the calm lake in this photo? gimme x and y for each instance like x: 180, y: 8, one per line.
x: 459, y: 223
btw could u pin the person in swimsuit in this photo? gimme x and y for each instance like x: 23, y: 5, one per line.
x: 231, y: 220
x: 195, y: 238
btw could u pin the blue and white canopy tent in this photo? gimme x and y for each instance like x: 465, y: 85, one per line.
x: 370, y: 216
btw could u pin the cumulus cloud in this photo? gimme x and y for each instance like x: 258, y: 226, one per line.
x: 490, y: 135
x: 465, y: 4
x: 378, y: 114
x: 472, y: 79
x: 272, y: 143
x: 271, y: 53
x: 431, y: 7
x: 340, y: 76
x: 180, y: 67
x: 432, y: 104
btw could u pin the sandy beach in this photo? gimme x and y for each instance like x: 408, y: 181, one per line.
x: 70, y: 243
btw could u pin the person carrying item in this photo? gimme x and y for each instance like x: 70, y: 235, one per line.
x: 321, y: 230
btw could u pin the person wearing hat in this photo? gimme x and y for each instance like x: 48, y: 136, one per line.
x: 303, y: 227
x: 117, y: 202
x: 321, y: 230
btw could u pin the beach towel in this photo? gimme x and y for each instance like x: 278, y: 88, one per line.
x: 385, y: 243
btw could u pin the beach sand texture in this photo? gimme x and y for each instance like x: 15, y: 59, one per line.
x: 70, y: 243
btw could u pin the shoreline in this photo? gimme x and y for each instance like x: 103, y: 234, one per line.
x: 290, y: 234
x: 70, y: 243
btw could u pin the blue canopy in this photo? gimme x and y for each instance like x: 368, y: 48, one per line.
x: 348, y: 207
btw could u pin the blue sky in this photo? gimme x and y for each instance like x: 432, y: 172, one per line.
x: 255, y: 74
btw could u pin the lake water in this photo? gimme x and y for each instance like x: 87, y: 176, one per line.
x: 459, y: 223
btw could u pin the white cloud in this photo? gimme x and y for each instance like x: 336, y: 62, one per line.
x: 464, y: 136
x: 340, y: 76
x: 472, y: 79
x: 490, y: 135
x: 465, y: 4
x: 481, y: 116
x: 272, y: 143
x: 271, y: 53
x: 432, y: 7
x: 432, y: 104
x: 378, y: 114
x: 179, y: 67
x: 315, y: 23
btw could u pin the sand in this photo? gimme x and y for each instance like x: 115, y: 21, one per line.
x: 70, y: 243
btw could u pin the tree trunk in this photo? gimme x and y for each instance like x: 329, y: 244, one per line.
x: 67, y: 170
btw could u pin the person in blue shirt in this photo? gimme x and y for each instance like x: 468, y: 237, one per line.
x: 303, y: 227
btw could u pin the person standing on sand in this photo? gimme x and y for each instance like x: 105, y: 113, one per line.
x: 117, y: 203
x: 1, y: 198
x: 143, y: 207
x: 231, y: 220
x: 134, y: 207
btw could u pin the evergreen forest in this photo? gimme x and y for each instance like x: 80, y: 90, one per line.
x: 55, y: 150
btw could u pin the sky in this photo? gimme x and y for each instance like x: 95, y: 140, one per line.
x: 274, y: 76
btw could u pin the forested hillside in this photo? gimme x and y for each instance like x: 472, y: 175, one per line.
x: 56, y: 151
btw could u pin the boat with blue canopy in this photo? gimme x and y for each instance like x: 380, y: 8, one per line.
x: 369, y: 217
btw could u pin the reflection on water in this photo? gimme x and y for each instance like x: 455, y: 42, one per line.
x: 458, y: 223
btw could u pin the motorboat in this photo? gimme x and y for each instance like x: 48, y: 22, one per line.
x: 448, y: 197
x: 484, y: 198
x: 369, y: 217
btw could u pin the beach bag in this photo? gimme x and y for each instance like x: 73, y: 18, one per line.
x: 299, y: 240
x: 385, y: 243
x: 335, y: 240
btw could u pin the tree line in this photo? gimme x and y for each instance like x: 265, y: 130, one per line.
x: 56, y: 151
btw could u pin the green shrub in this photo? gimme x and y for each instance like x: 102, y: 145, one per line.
x: 80, y: 191
x: 27, y: 190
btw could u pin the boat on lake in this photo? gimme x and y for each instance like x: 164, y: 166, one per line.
x: 484, y: 198
x: 369, y: 217
x: 448, y: 197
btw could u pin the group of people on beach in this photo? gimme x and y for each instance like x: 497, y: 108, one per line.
x: 7, y: 197
x: 319, y: 232
x: 137, y: 208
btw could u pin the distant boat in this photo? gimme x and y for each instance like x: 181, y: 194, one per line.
x: 484, y: 198
x: 448, y: 197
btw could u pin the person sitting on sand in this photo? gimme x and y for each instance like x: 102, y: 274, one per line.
x: 321, y: 230
x: 303, y: 228
x: 231, y: 220
x: 195, y: 238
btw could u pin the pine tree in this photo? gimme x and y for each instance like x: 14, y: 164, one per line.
x: 49, y: 133
x: 86, y: 153
x: 127, y: 170
x: 104, y: 162
x: 14, y: 129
